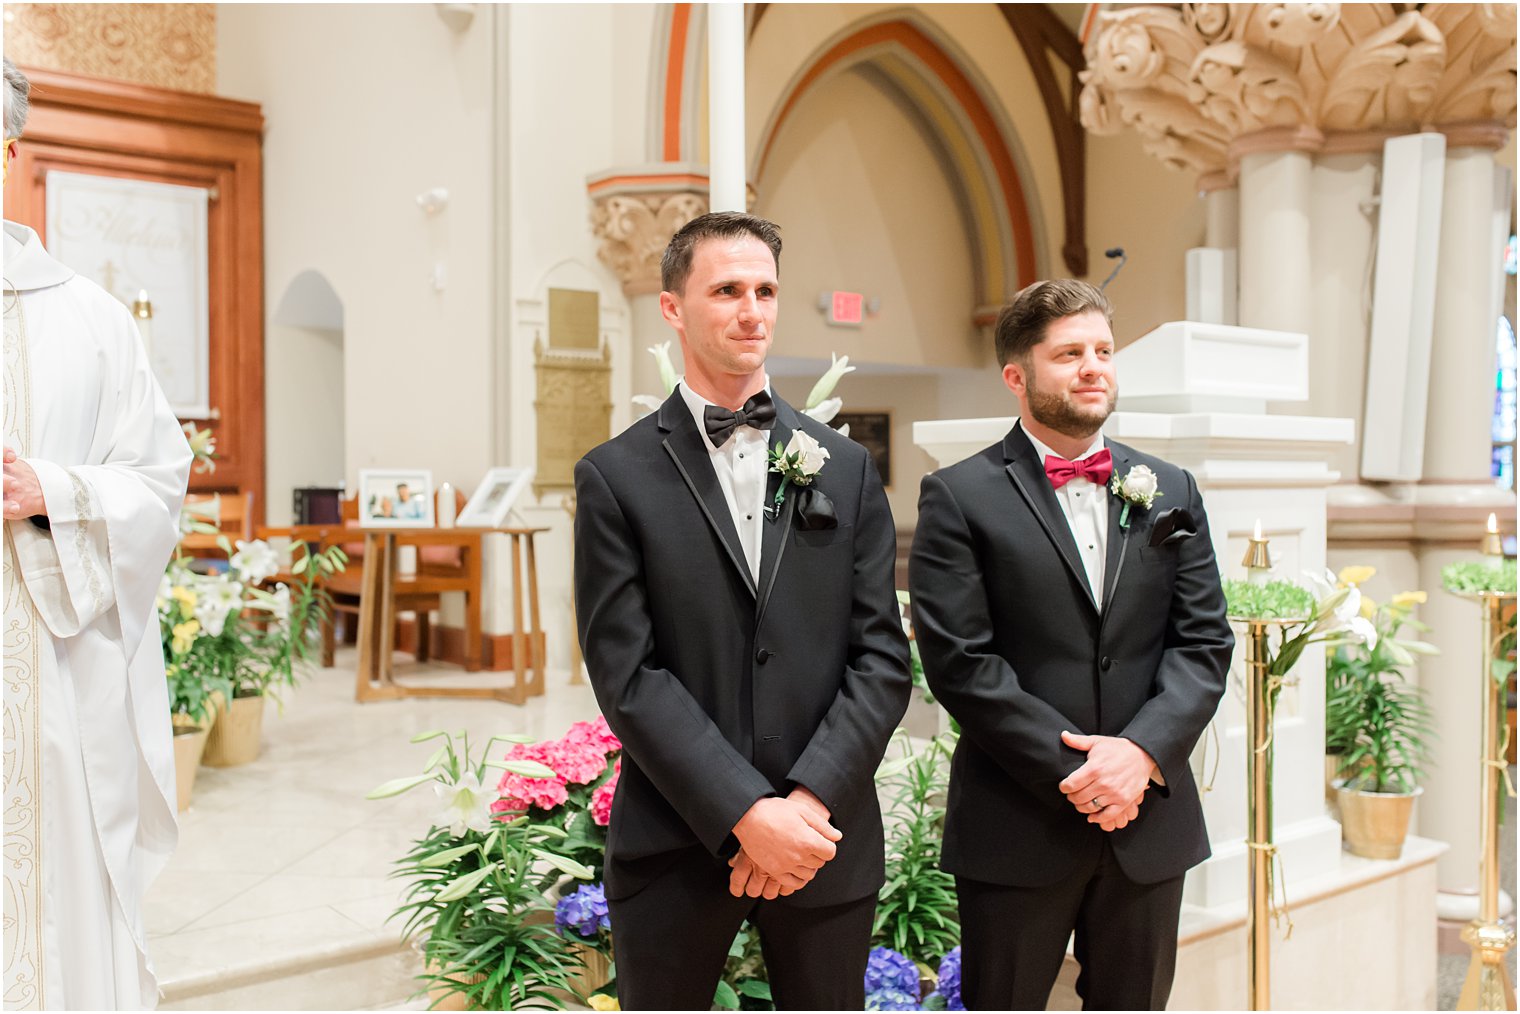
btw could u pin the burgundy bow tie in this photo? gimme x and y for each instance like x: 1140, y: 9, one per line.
x: 1095, y: 468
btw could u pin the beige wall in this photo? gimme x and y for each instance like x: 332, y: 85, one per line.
x: 304, y: 445
x: 865, y: 205
x: 350, y: 143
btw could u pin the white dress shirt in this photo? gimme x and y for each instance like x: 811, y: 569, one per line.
x: 1085, y: 505
x: 741, y: 465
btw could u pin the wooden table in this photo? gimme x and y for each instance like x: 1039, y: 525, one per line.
x: 377, y: 612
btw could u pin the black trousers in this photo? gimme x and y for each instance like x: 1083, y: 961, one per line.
x: 671, y: 939
x: 1013, y: 939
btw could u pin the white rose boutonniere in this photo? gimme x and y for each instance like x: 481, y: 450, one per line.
x: 1136, y: 489
x: 798, y: 463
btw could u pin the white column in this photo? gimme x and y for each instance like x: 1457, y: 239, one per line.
x: 1340, y: 253
x: 725, y: 105
x: 1457, y: 442
x: 1276, y: 277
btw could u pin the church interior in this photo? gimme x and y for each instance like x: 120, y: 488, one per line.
x: 397, y: 268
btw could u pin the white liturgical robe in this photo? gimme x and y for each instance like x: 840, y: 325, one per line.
x: 89, y: 758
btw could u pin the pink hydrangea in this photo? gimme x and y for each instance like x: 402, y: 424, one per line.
x: 519, y: 792
x: 595, y: 734
x: 601, y: 799
x: 576, y: 763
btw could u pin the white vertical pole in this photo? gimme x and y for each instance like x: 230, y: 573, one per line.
x: 725, y: 106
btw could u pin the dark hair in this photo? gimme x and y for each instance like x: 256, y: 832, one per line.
x: 1022, y: 323
x: 675, y: 265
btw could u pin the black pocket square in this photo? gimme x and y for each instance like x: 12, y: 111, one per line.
x: 815, y: 511
x: 1172, y: 527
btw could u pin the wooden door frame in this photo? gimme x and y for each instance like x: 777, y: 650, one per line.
x: 118, y: 128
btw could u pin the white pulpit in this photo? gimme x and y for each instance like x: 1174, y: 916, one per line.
x: 1196, y: 395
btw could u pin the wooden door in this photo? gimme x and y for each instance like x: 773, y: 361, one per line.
x: 114, y: 128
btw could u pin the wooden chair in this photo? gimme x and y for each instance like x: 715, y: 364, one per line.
x: 232, y: 513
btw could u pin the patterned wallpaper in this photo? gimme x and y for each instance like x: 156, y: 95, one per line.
x: 168, y: 45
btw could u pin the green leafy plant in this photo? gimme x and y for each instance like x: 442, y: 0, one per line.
x: 916, y: 912
x: 477, y: 895
x: 224, y: 632
x: 1377, y: 724
x: 1475, y: 577
x: 744, y: 985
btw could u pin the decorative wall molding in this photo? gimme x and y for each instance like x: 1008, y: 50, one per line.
x: 164, y: 45
x: 1205, y: 83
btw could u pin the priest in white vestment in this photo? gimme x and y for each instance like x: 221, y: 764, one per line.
x: 95, y: 470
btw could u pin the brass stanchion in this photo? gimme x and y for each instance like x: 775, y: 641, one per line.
x: 1259, y: 846
x: 1488, y: 986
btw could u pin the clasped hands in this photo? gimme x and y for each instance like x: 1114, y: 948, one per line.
x: 23, y: 493
x: 784, y: 842
x: 1111, y: 783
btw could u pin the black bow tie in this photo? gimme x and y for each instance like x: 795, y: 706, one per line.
x: 759, y: 412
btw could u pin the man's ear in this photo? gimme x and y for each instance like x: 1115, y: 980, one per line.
x: 670, y: 309
x: 1013, y: 379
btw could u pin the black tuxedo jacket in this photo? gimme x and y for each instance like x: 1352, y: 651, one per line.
x: 1016, y: 649
x: 723, y: 692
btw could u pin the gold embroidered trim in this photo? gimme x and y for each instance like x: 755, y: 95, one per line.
x: 82, y: 541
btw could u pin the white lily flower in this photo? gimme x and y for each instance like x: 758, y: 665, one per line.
x: 825, y: 385
x: 825, y: 411
x: 255, y: 561
x: 466, y: 804
x: 1362, y: 629
x: 216, y: 598
x: 668, y: 378
x: 648, y: 402
x: 843, y: 429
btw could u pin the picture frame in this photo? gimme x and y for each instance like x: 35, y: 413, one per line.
x: 873, y: 430
x: 395, y: 498
x: 494, y: 498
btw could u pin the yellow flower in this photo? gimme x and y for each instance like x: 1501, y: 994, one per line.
x: 185, y: 597
x: 1354, y: 576
x: 601, y: 1001
x: 184, y: 635
x: 1369, y: 608
x: 1404, y: 600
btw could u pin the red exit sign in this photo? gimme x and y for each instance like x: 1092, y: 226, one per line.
x: 846, y: 308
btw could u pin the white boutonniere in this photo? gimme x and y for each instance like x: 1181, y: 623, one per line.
x: 1136, y: 489
x: 798, y: 463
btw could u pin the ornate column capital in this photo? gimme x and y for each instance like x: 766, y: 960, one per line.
x: 1204, y: 83
x: 634, y: 212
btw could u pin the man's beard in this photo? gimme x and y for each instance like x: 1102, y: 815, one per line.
x: 1055, y: 410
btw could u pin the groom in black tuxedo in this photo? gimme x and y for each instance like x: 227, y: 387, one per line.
x: 743, y: 639
x: 1076, y: 630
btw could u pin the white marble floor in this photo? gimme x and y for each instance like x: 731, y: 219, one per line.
x: 278, y: 893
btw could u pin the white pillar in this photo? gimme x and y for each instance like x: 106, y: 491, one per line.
x: 725, y: 105
x: 1276, y: 277
x: 1457, y: 441
x: 1340, y: 253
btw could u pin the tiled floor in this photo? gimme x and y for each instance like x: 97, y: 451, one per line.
x: 283, y: 863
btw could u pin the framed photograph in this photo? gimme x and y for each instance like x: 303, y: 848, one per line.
x: 494, y: 497
x: 874, y: 431
x: 395, y: 498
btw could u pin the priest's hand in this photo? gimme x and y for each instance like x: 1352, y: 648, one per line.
x: 23, y: 493
x: 1116, y: 774
x: 786, y: 839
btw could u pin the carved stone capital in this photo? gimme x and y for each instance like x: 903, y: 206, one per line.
x: 635, y: 212
x: 1203, y: 83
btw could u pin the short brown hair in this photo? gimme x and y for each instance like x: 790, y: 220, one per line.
x: 675, y: 265
x: 1022, y: 323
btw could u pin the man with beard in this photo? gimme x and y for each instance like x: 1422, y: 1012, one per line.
x: 1069, y: 613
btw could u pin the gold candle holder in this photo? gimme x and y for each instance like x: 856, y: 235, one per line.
x: 1488, y: 986
x: 1258, y: 561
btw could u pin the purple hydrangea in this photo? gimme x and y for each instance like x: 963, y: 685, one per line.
x: 891, y: 999
x: 950, y: 980
x: 888, y: 970
x: 583, y: 913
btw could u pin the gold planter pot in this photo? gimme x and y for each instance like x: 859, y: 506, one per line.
x: 189, y: 745
x: 1375, y: 824
x: 235, y: 737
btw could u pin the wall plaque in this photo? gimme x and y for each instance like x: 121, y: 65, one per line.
x: 573, y: 408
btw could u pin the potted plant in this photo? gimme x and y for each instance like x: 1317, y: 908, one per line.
x: 1378, y: 725
x: 229, y: 642
x: 482, y: 899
